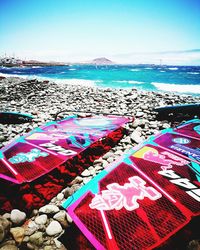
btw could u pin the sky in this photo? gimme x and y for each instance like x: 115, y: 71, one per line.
x: 70, y: 30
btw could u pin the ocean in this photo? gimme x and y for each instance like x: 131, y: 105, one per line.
x: 178, y: 79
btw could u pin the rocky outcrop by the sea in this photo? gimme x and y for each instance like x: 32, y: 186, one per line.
x: 43, y: 100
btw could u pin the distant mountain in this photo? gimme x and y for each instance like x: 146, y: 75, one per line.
x: 102, y: 61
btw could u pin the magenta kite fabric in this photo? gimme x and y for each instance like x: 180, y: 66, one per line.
x: 51, y: 145
x: 147, y: 196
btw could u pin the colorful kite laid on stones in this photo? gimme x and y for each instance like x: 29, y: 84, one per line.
x: 147, y: 196
x: 35, y: 167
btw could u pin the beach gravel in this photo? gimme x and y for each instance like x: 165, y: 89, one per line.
x: 43, y: 99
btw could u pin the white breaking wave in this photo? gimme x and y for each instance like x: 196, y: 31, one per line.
x: 135, y: 70
x: 181, y: 88
x: 135, y: 82
x: 10, y: 75
x: 174, y: 68
x: 83, y: 82
x: 129, y: 81
x: 72, y: 69
x: 193, y: 73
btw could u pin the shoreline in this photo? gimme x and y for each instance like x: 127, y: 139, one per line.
x: 184, y: 89
x: 43, y: 99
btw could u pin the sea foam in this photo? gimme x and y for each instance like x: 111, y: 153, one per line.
x: 129, y: 82
x: 173, y: 68
x: 193, y: 73
x: 135, y: 70
x: 83, y: 82
x: 181, y: 88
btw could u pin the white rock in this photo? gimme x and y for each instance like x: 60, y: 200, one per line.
x: 136, y: 137
x: 17, y: 217
x: 92, y: 171
x: 41, y: 220
x: 57, y: 243
x: 107, y: 155
x: 32, y: 224
x: 69, y: 219
x: 139, y: 114
x: 98, y: 167
x: 60, y: 196
x: 85, y: 173
x: 87, y: 179
x: 105, y: 163
x: 49, y: 209
x: 98, y: 161
x: 53, y: 228
x: 110, y: 159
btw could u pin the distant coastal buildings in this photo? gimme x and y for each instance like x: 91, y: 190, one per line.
x: 10, y: 61
x: 7, y: 61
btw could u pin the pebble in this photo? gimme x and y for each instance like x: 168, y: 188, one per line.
x: 85, y: 173
x: 49, y: 209
x: 37, y: 238
x: 53, y: 228
x: 17, y: 217
x: 31, y: 228
x: 107, y: 155
x: 61, y: 217
x: 60, y: 196
x: 9, y: 247
x: 4, y: 228
x: 136, y: 137
x: 41, y: 219
x: 87, y: 179
x: 139, y: 114
x: 2, y: 138
x: 18, y: 234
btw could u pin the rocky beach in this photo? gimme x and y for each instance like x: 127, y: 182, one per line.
x: 43, y: 100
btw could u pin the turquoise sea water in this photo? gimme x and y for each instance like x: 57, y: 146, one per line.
x: 181, y: 79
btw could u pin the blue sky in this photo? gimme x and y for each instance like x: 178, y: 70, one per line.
x: 67, y: 30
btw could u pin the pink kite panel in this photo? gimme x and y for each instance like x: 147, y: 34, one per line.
x: 49, y: 146
x: 190, y: 129
x: 176, y: 175
x: 184, y: 146
x: 129, y: 211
